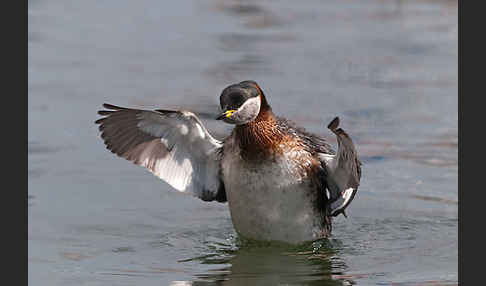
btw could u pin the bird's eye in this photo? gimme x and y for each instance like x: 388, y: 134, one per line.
x: 233, y: 101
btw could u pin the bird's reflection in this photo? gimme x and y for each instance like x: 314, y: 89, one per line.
x: 312, y: 264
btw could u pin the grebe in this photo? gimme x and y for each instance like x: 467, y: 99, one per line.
x: 281, y: 182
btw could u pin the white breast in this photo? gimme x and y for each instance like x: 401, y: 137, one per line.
x: 270, y: 201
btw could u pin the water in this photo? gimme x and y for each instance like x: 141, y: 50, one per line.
x: 387, y: 68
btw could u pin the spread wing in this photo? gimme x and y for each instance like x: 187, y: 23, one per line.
x: 343, y: 171
x: 173, y: 145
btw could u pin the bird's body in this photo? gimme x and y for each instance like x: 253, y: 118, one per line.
x: 274, y: 195
x: 281, y: 182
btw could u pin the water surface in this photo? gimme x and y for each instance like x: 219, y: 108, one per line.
x: 387, y: 68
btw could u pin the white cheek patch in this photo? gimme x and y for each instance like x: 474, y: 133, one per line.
x: 248, y: 110
x: 252, y: 103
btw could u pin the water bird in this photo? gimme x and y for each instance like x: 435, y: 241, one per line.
x: 281, y: 182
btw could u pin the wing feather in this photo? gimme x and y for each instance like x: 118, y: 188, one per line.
x: 343, y: 171
x: 173, y: 145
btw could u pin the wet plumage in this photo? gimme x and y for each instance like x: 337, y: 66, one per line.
x: 281, y: 182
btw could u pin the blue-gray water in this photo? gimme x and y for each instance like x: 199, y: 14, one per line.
x: 387, y: 68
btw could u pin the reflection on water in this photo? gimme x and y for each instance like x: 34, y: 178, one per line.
x: 387, y: 68
x: 312, y: 264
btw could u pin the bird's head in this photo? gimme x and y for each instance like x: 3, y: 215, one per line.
x: 241, y: 102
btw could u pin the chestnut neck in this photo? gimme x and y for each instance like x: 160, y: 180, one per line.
x: 260, y: 136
